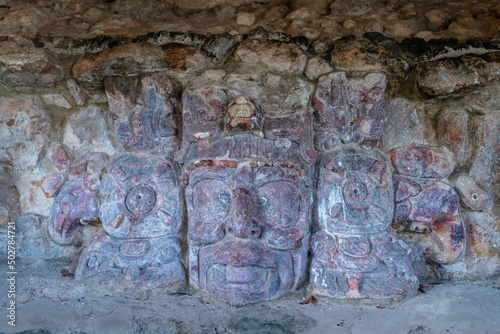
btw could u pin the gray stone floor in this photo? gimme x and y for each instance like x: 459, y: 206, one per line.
x: 47, y: 302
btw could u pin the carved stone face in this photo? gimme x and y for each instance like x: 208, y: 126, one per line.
x: 248, y: 230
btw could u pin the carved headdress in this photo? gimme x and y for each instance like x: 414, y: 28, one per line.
x: 227, y: 121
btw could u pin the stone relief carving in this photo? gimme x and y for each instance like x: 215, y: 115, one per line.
x: 140, y: 198
x: 426, y: 205
x: 353, y: 253
x: 247, y: 165
x: 248, y: 194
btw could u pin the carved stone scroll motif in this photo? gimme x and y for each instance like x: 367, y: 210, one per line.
x: 247, y: 176
x: 348, y: 111
x: 426, y: 207
x: 353, y: 253
x: 140, y: 197
x: 76, y: 191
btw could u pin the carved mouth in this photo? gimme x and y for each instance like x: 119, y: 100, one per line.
x: 242, y: 284
x: 249, y: 278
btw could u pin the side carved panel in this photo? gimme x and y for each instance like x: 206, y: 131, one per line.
x: 354, y: 254
x: 428, y: 209
x: 140, y: 197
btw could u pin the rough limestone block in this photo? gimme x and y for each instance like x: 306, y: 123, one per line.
x: 483, y: 169
x: 351, y: 54
x: 284, y: 58
x: 454, y: 76
x: 452, y: 132
x: 28, y: 65
x: 402, y: 126
x: 24, y: 124
x: 483, y: 243
x: 133, y: 59
x: 57, y: 100
x: 86, y: 131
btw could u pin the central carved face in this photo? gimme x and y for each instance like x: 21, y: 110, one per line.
x: 247, y: 231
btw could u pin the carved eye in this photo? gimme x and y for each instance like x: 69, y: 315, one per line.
x: 263, y: 202
x: 211, y: 200
x: 278, y: 203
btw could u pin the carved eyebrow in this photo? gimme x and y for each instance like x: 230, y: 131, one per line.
x: 213, y: 173
x: 282, y: 174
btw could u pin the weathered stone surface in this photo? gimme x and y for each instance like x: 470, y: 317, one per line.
x: 28, y: 65
x: 454, y: 76
x: 247, y: 194
x: 57, y: 100
x: 452, y: 131
x: 32, y: 239
x: 317, y: 67
x: 121, y: 60
x: 32, y: 198
x: 86, y: 131
x: 76, y: 92
x: 9, y: 201
x: 284, y: 58
x: 144, y: 111
x: 24, y: 21
x: 349, y: 8
x: 351, y: 54
x: 484, y: 101
x: 402, y: 126
x: 348, y: 111
x: 486, y: 160
x: 132, y: 59
x: 422, y: 161
x: 245, y: 19
x: 483, y: 243
x: 24, y: 124
x: 438, y: 19
x: 354, y: 256
x: 211, y: 3
x: 471, y: 194
x: 432, y: 209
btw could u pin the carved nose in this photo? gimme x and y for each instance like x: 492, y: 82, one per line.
x: 243, y: 222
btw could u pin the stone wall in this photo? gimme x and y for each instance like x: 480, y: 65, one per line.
x: 440, y: 107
